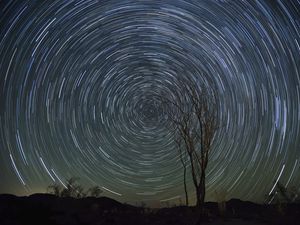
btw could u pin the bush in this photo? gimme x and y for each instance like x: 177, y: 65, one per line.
x: 73, y: 189
x: 281, y: 194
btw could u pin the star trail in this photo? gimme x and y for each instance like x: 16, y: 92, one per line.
x: 80, y: 85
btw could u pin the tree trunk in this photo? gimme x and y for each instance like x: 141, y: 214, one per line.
x: 202, y: 187
x: 200, y: 193
x: 198, y: 203
x: 185, y: 187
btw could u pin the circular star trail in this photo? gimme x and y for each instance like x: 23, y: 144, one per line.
x: 81, y: 83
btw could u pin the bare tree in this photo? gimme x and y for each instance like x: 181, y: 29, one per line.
x: 194, y: 117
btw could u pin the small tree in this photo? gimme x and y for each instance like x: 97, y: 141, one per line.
x: 71, y: 189
x: 54, y: 189
x: 95, y: 191
x: 193, y: 115
x: 281, y: 194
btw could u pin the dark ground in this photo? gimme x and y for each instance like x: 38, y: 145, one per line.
x: 46, y: 209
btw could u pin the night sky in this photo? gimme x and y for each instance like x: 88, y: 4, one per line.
x: 79, y: 87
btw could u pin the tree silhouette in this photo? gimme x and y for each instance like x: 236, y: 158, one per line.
x: 193, y: 115
x: 55, y: 189
x: 73, y: 189
x: 95, y: 191
x: 281, y: 194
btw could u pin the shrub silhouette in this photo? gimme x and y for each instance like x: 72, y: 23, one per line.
x: 73, y: 189
x: 281, y: 194
x: 55, y: 189
x: 95, y: 191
